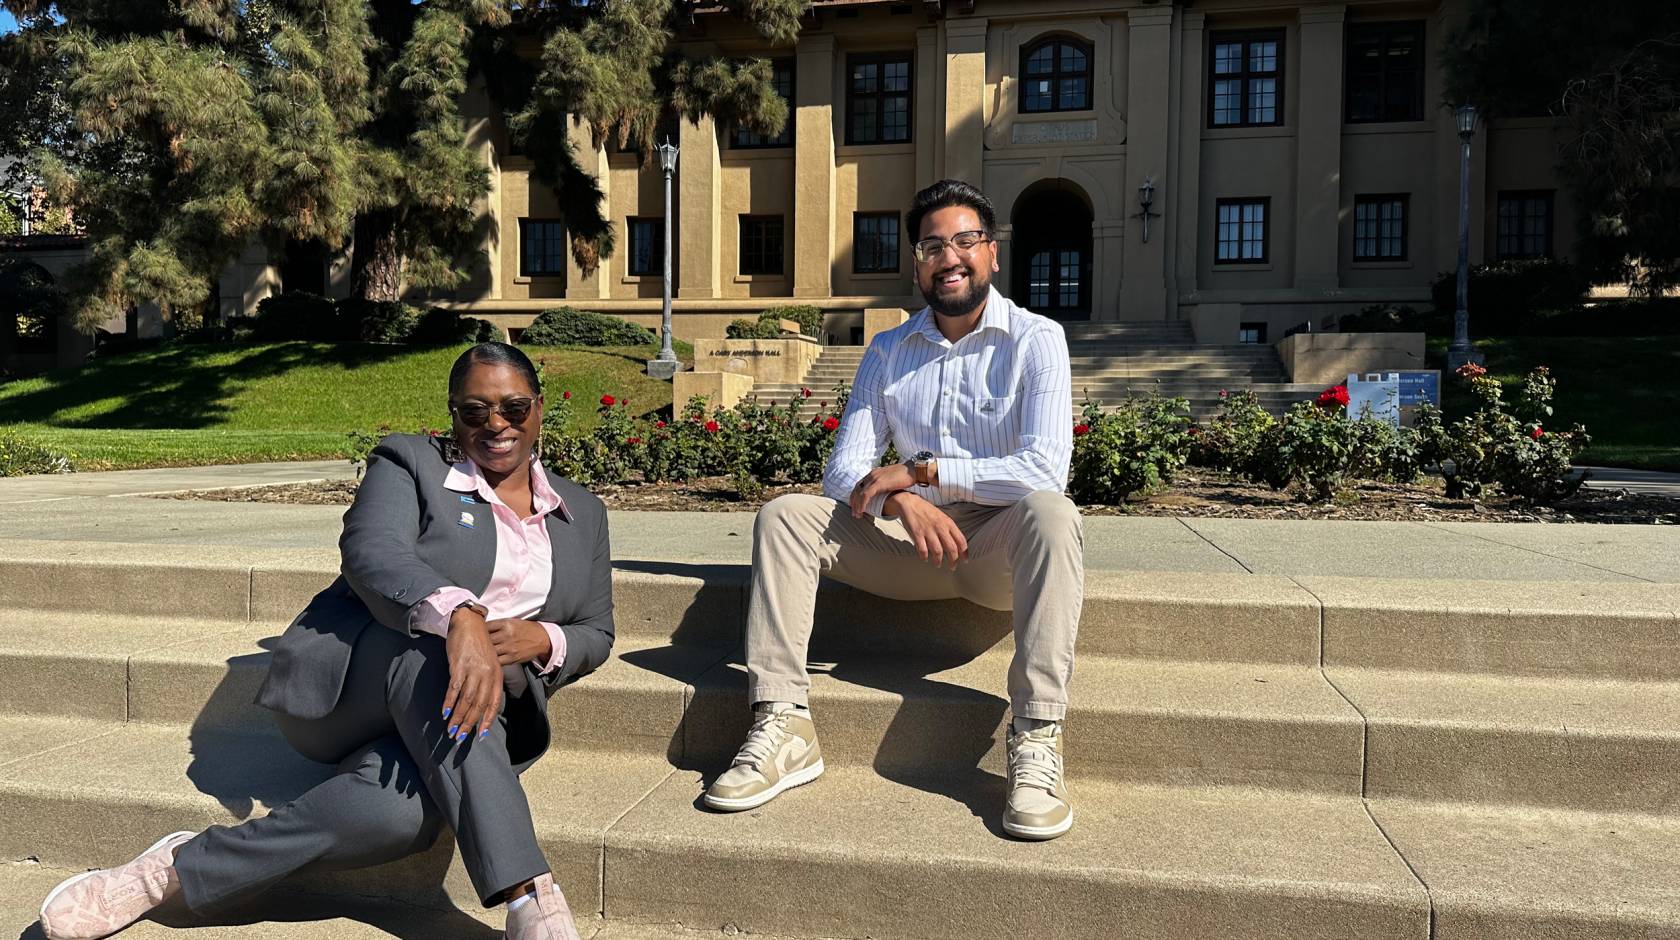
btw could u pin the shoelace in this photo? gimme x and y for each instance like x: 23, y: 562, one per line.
x: 1033, y: 762
x: 763, y: 738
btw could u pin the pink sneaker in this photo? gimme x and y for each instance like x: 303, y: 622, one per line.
x: 544, y: 917
x: 97, y: 904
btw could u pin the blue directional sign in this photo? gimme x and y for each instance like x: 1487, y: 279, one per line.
x: 1420, y: 386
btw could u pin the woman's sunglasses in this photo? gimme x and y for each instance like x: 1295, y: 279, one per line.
x: 476, y: 414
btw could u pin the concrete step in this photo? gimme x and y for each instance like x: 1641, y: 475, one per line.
x: 864, y: 855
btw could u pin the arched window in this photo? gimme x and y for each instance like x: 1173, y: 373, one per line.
x: 1055, y: 76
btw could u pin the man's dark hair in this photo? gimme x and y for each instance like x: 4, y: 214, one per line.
x: 492, y: 354
x: 946, y: 194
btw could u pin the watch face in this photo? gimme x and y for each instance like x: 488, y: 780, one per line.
x: 923, y: 457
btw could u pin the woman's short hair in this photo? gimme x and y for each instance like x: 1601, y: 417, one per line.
x: 493, y: 354
x: 947, y: 194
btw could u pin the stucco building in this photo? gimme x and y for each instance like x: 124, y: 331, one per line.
x: 1300, y: 160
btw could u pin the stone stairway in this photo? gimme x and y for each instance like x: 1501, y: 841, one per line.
x: 1250, y: 756
x: 1112, y: 361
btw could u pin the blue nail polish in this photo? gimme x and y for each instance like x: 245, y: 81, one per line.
x: 484, y: 734
x: 463, y: 736
x: 453, y: 729
x: 447, y: 711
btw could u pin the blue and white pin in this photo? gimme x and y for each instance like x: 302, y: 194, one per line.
x: 467, y: 521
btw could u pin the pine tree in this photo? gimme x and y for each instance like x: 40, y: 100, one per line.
x: 181, y: 130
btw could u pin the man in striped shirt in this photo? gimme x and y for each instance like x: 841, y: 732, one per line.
x: 979, y: 391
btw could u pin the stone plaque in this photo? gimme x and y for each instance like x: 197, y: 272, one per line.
x: 1055, y: 132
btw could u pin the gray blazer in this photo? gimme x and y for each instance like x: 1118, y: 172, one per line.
x: 403, y: 540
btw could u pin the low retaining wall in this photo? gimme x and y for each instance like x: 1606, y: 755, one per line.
x: 1328, y: 358
x: 767, y: 361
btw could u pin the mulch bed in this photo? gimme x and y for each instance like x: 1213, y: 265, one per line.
x: 1200, y: 494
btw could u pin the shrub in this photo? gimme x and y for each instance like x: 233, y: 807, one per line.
x: 377, y: 321
x: 1382, y: 451
x: 1231, y: 440
x: 566, y: 326
x: 1383, y: 318
x: 20, y: 456
x: 743, y: 328
x: 682, y: 449
x: 1506, y: 295
x: 296, y: 315
x: 1310, y: 448
x: 1136, y: 448
x: 439, y: 327
x: 1509, y: 446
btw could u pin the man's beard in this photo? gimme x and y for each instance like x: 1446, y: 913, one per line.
x: 961, y: 304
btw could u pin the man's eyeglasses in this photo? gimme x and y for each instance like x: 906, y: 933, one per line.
x: 476, y: 414
x: 930, y: 248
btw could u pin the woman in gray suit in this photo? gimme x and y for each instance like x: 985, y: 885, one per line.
x: 474, y: 584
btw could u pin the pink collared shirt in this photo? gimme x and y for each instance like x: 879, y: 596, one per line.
x: 524, y: 571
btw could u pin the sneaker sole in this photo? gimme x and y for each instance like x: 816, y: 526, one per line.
x: 797, y: 778
x: 1039, y: 833
x: 74, y: 879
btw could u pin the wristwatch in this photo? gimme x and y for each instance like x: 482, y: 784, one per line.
x: 473, y: 606
x: 924, y: 468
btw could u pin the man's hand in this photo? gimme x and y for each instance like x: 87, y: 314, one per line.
x: 474, y: 698
x: 936, y: 536
x: 519, y: 641
x: 889, y: 479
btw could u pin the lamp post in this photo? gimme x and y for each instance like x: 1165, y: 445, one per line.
x: 1460, y: 352
x: 666, y: 365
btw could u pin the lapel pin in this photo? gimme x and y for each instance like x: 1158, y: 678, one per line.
x: 468, y: 500
x: 467, y: 520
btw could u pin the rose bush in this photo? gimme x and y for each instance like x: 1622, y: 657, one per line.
x: 1135, y: 448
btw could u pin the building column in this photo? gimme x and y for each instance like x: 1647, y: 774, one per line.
x: 1143, y: 289
x: 486, y: 274
x: 1318, y: 148
x: 1108, y: 247
x: 699, y: 206
x: 965, y: 90
x: 1185, y: 192
x: 596, y: 285
x: 1003, y: 280
x: 929, y: 145
x: 813, y: 169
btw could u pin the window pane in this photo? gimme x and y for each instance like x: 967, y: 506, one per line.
x: 1227, y: 102
x: 864, y: 129
x: 1262, y: 101
x: 895, y: 76
x: 864, y: 77
x: 895, y: 121
x: 1038, y: 280
x: 1042, y: 61
x: 1073, y: 94
x: 1227, y: 58
x: 1073, y: 59
x: 1038, y: 94
x: 1262, y: 57
x: 1067, y: 279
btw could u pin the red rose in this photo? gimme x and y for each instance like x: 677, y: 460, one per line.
x: 567, y: 396
x: 1080, y: 430
x: 831, y: 423
x: 632, y: 440
x: 804, y: 392
x: 1224, y: 394
x: 822, y: 404
x: 712, y: 427
x: 1536, y: 432
x: 1334, y: 396
x: 1471, y: 370
x: 659, y: 424
x: 607, y: 400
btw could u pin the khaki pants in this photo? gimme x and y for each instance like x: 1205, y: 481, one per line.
x: 1028, y: 557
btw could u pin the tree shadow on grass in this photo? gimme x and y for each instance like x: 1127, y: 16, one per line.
x: 175, y: 387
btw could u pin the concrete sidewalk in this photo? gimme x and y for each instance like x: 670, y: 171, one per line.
x: 58, y: 508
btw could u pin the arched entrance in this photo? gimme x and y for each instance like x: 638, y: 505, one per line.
x: 1052, y: 250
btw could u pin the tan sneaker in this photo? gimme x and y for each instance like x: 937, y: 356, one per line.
x: 99, y: 903
x: 781, y: 753
x: 546, y: 916
x: 1037, y: 807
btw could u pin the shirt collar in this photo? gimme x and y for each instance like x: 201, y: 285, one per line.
x: 994, y: 316
x: 463, y: 477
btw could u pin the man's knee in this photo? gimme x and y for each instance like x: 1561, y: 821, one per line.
x: 787, y: 513
x: 1050, y: 514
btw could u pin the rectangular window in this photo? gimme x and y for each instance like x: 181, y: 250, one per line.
x: 1245, y: 84
x: 542, y: 247
x: 1252, y: 333
x: 1385, y: 72
x: 1243, y: 236
x: 875, y: 243
x: 1379, y: 228
x: 878, y: 98
x: 761, y: 244
x: 1524, y: 225
x: 647, y: 246
x: 782, y: 80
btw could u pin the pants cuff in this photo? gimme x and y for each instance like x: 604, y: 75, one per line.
x: 1043, y: 711
x: 798, y: 695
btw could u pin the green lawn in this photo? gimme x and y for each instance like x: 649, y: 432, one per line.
x: 1626, y: 390
x: 185, y: 404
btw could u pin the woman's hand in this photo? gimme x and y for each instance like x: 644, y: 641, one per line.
x: 519, y: 641
x: 475, y: 677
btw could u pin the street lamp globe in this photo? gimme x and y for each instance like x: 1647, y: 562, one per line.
x: 667, y: 156
x: 1467, y: 118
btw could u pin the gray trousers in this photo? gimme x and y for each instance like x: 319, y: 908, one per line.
x: 1028, y: 557
x: 399, y: 780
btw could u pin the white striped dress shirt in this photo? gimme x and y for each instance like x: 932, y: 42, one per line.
x: 995, y: 408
